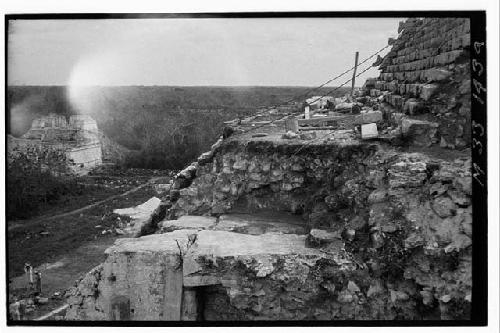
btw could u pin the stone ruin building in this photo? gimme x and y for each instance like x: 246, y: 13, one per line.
x: 64, y: 146
x: 321, y: 223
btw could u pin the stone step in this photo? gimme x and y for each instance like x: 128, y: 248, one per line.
x: 253, y: 224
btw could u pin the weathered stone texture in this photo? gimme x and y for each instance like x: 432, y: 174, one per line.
x: 390, y: 239
x: 426, y: 75
x: 62, y: 147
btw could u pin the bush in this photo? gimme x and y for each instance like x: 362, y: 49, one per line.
x: 30, y: 186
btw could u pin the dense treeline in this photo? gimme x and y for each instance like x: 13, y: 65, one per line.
x: 166, y: 127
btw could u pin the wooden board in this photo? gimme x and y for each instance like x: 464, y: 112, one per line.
x: 322, y: 120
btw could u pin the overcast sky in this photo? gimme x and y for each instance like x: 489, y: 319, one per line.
x: 278, y: 51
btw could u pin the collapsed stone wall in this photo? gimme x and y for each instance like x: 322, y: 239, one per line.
x: 264, y: 175
x: 398, y: 235
x: 389, y: 231
x: 426, y: 76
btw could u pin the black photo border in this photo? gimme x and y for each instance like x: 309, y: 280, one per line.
x: 479, y: 307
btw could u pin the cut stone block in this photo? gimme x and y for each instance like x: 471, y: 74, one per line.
x: 414, y: 125
x: 413, y: 106
x: 436, y: 74
x: 141, y: 215
x: 427, y: 90
x: 368, y: 117
x: 369, y: 131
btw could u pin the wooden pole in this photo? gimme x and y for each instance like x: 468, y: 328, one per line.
x: 354, y: 74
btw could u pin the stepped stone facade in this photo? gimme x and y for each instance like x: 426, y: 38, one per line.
x: 426, y: 76
x: 62, y: 146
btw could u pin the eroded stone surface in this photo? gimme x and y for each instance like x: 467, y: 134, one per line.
x: 404, y: 220
x: 141, y: 216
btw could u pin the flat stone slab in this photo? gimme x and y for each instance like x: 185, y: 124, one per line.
x: 369, y: 131
x: 188, y: 222
x: 140, y: 215
x: 215, y: 243
x: 368, y: 117
x: 141, y: 210
x: 259, y: 224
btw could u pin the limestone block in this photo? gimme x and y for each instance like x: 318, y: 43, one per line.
x: 436, y: 74
x: 369, y: 131
x: 413, y: 106
x: 162, y: 189
x: 369, y: 117
x: 141, y: 215
x: 427, y: 90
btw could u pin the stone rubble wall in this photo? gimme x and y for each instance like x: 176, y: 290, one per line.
x: 390, y: 231
x: 401, y: 221
x: 262, y: 176
x: 426, y: 76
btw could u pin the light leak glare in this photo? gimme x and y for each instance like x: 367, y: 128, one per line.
x: 90, y: 72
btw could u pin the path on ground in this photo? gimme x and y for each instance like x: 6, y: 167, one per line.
x: 75, y: 244
x: 82, y: 209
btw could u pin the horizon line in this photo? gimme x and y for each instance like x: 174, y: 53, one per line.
x: 181, y: 86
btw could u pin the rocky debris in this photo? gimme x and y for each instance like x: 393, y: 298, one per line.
x: 308, y: 136
x: 290, y: 135
x: 162, y: 189
x: 325, y: 239
x: 444, y: 206
x: 409, y: 171
x: 368, y: 117
x: 141, y: 217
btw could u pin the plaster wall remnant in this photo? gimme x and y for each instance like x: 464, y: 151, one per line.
x: 64, y: 147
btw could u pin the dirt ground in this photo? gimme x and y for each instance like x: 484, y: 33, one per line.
x: 70, y: 238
